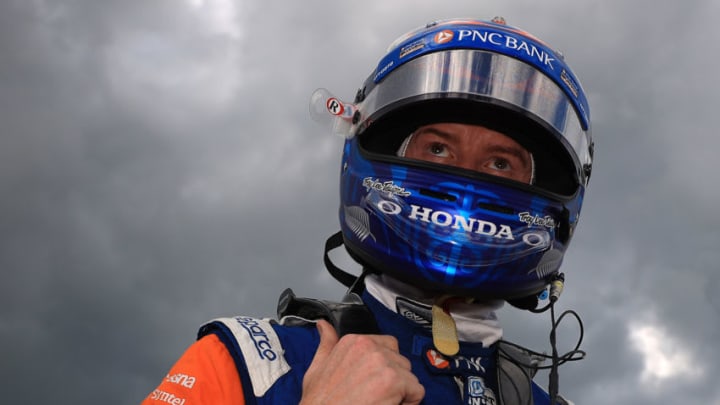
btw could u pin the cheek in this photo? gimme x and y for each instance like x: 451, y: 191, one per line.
x: 410, y: 152
x: 523, y: 176
x: 414, y: 151
x: 519, y: 177
x: 420, y: 153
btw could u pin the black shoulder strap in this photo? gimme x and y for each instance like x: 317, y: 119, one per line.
x: 515, y: 373
x: 349, y: 316
x: 516, y: 369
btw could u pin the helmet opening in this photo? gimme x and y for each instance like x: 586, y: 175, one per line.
x: 554, y: 170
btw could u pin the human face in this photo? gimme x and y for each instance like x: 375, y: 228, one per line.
x: 471, y: 147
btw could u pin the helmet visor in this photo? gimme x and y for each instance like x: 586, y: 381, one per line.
x: 485, y: 76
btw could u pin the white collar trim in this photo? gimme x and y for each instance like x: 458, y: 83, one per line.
x: 476, y: 322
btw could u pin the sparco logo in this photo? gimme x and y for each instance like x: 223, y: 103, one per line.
x: 259, y: 338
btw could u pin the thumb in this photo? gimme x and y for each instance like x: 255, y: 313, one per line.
x: 328, y: 340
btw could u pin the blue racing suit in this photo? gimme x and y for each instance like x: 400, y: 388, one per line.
x: 272, y: 358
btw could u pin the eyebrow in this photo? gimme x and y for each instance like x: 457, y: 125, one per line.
x: 438, y: 132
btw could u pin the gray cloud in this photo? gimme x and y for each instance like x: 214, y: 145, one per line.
x: 158, y: 169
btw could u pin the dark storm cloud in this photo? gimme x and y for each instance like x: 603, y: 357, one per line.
x: 158, y: 168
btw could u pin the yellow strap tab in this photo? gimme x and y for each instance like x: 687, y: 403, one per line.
x: 444, y: 331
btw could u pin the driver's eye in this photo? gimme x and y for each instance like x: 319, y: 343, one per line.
x: 438, y: 149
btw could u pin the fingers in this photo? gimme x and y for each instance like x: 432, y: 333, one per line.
x: 359, y: 369
x: 414, y: 393
x: 328, y: 340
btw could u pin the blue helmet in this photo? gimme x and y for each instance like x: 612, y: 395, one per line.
x: 450, y: 230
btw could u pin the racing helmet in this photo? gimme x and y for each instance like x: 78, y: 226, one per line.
x: 451, y: 230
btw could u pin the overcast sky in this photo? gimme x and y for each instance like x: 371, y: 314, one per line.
x: 158, y: 168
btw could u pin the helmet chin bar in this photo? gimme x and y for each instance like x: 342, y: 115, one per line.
x: 354, y: 283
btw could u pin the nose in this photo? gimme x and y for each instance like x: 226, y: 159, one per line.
x: 467, y: 161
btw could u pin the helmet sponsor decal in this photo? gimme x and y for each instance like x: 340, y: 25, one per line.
x: 570, y: 83
x: 469, y: 225
x: 443, y: 37
x: 386, y: 187
x: 412, y: 48
x: 546, y: 221
x: 446, y: 219
x: 385, y: 69
x: 358, y: 220
x: 502, y: 40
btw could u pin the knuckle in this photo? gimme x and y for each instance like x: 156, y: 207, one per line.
x: 361, y: 342
x: 390, y: 378
x: 390, y: 341
x: 388, y: 375
x: 377, y: 358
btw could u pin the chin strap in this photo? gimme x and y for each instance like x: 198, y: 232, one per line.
x: 355, y: 284
x: 347, y: 279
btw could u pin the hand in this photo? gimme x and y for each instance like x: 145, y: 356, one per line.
x: 359, y: 369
